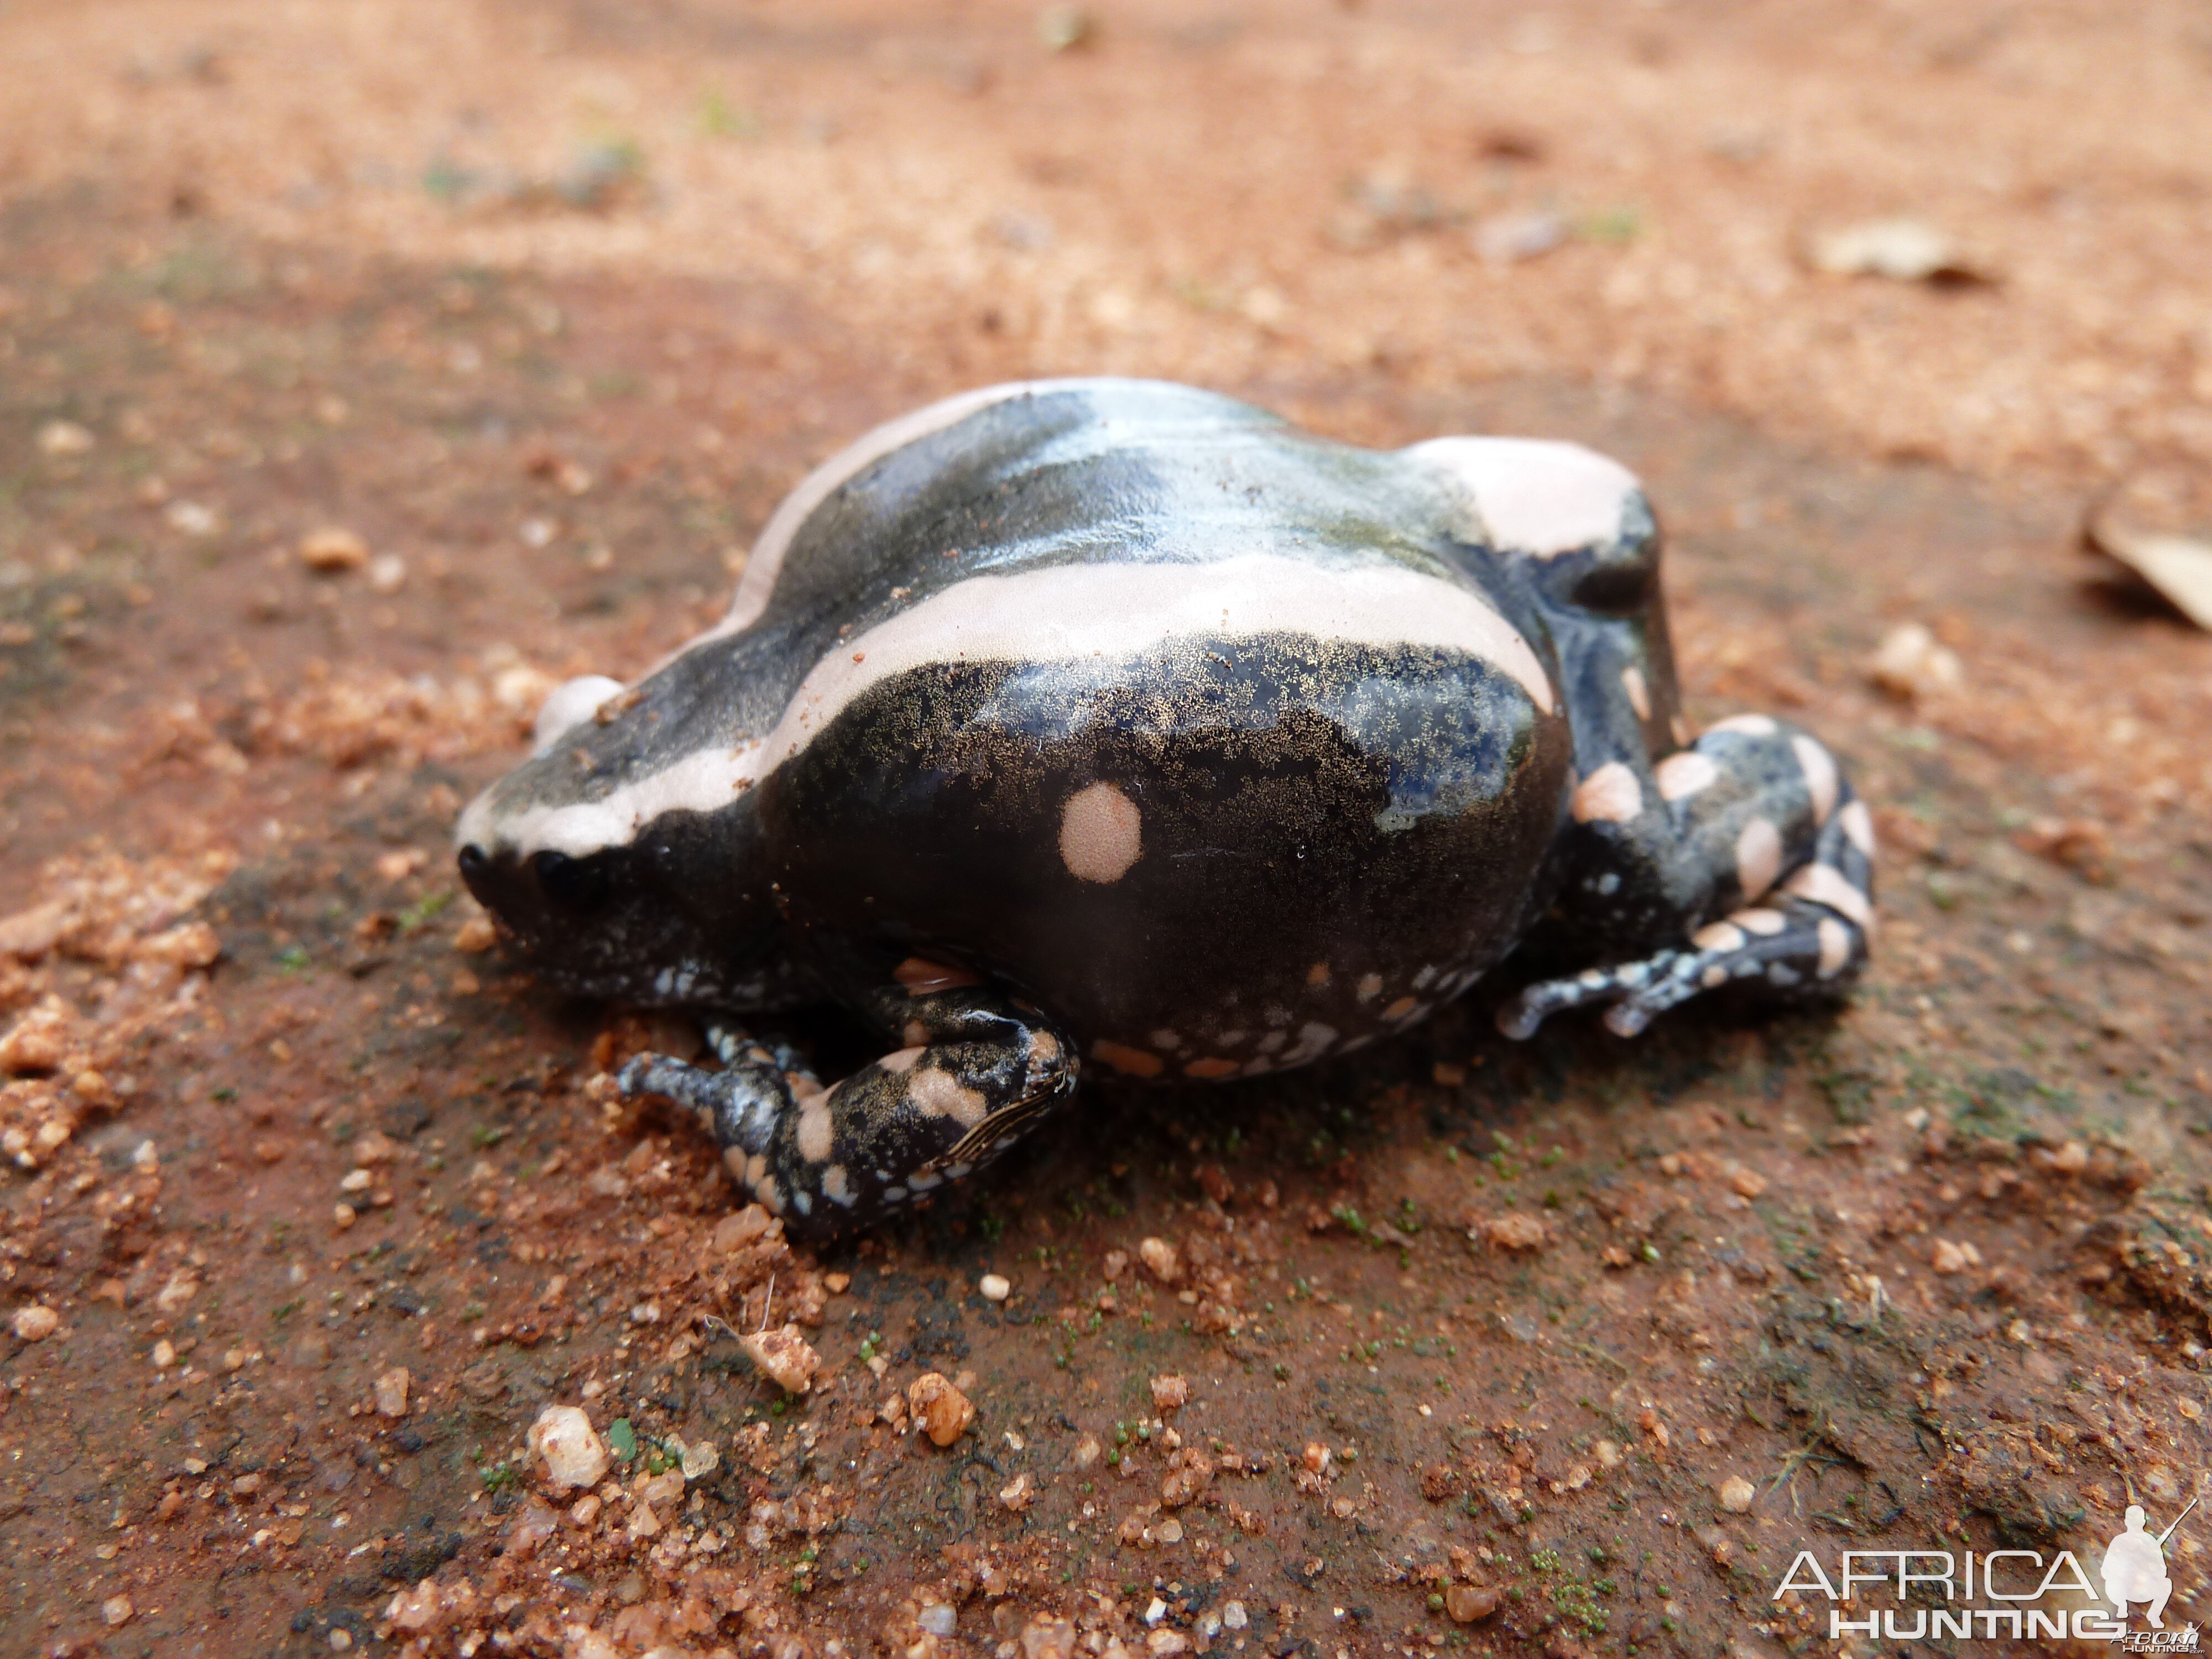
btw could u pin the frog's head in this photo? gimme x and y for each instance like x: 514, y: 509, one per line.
x: 622, y: 859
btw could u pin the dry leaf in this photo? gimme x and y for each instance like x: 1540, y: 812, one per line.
x: 1903, y: 250
x: 2159, y: 526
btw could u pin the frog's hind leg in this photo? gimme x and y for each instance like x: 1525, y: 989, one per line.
x: 1790, y: 945
x: 978, y: 1070
x: 1757, y: 823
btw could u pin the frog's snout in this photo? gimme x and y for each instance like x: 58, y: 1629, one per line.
x: 546, y: 888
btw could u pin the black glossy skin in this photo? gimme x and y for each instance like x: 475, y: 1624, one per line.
x: 1336, y: 834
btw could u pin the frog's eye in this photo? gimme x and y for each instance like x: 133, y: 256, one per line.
x: 1619, y: 588
x: 473, y: 864
x: 576, y: 885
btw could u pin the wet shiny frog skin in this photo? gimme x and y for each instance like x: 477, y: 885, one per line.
x: 1113, y: 725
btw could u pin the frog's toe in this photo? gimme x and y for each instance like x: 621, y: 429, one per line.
x: 1791, y: 947
x: 738, y: 1105
x: 1622, y: 986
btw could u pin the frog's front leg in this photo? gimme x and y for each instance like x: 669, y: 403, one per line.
x: 1749, y: 846
x: 978, y: 1068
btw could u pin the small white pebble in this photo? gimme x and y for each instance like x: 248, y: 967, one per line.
x: 938, y: 1619
x: 117, y: 1610
x: 35, y: 1323
x: 995, y: 1287
x: 392, y: 1392
x: 1163, y: 1259
x: 1233, y: 1616
x: 164, y: 1354
x: 1911, y: 666
x: 190, y: 519
x: 64, y: 437
x: 1736, y: 1494
x: 574, y: 1455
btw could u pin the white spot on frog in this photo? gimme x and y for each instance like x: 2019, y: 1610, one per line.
x: 1315, y: 1039
x: 1858, y: 827
x: 816, y: 1131
x: 1610, y: 794
x: 1683, y: 774
x: 1718, y: 936
x: 1824, y: 884
x: 1101, y: 834
x: 1638, y: 694
x: 1835, y: 947
x: 938, y: 1093
x: 1758, y: 856
x: 1819, y: 769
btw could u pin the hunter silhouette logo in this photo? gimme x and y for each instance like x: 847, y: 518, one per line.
x: 2017, y: 1594
x: 2135, y: 1567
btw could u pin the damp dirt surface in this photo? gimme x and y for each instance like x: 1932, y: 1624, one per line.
x: 336, y: 429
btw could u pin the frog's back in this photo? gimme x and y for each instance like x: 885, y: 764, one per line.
x: 1056, y: 473
x: 1178, y: 718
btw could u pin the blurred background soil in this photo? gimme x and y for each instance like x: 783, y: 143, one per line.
x: 365, y: 369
